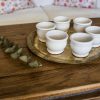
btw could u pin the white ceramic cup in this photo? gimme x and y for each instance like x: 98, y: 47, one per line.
x: 81, y: 23
x: 81, y: 44
x: 62, y: 23
x: 95, y: 32
x: 43, y: 28
x: 56, y: 41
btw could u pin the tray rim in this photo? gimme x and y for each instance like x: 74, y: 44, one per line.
x: 48, y: 58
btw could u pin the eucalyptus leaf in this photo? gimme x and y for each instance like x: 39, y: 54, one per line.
x: 8, y: 44
x: 24, y: 58
x: 11, y: 49
x: 1, y: 38
x: 17, y: 54
x: 1, y: 42
x: 5, y: 43
x: 34, y: 64
x: 20, y: 50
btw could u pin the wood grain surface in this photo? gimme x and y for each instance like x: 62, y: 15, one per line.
x: 18, y: 81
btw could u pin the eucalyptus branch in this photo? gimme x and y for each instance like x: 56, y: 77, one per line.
x: 16, y: 52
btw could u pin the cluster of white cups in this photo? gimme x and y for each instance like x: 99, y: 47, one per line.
x: 55, y: 35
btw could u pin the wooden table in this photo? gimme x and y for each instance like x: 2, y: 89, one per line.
x: 52, y: 81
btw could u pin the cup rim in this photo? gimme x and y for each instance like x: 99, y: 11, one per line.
x: 54, y: 19
x: 37, y: 26
x: 87, y: 30
x: 90, y: 21
x: 49, y: 32
x: 81, y: 42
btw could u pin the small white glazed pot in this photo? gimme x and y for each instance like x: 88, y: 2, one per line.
x: 81, y: 23
x: 62, y: 23
x: 43, y: 28
x: 81, y: 44
x: 56, y: 41
x: 95, y: 32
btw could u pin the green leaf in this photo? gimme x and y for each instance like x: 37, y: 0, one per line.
x: 34, y: 64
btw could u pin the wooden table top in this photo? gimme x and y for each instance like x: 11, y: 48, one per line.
x: 52, y: 80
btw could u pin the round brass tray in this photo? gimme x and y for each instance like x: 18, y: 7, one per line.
x: 40, y: 50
